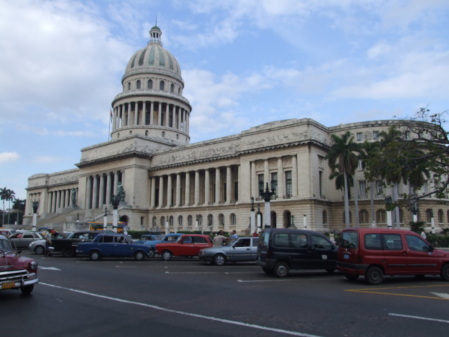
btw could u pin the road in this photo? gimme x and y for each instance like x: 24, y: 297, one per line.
x: 78, y: 297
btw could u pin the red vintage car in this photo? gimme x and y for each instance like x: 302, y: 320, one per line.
x: 16, y: 272
x: 186, y: 245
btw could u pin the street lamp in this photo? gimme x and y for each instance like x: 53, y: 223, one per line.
x: 35, y: 207
x: 266, y: 195
x: 115, y: 202
x: 252, y: 220
x: 388, y: 206
x: 292, y: 223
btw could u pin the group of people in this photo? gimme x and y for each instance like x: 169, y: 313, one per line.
x: 220, y: 239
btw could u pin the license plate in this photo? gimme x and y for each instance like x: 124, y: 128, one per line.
x: 8, y: 285
x: 346, y: 256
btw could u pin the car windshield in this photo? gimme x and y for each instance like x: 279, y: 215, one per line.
x: 5, y: 246
x: 349, y: 240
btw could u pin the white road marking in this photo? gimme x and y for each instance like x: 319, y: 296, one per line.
x: 420, y: 318
x: 442, y: 295
x: 49, y: 268
x: 184, y: 313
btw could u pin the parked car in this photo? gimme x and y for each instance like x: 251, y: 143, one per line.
x: 373, y: 253
x: 113, y: 245
x: 7, y: 232
x: 171, y: 237
x: 68, y: 246
x: 238, y: 250
x: 22, y: 240
x: 186, y: 245
x: 16, y: 272
x: 40, y: 247
x: 146, y: 238
x: 280, y: 250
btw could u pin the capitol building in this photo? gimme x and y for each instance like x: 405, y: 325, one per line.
x: 165, y: 182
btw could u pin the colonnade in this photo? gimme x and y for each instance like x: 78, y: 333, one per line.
x: 150, y: 113
x: 58, y: 199
x: 101, y: 187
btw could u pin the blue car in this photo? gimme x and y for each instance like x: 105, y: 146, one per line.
x: 113, y: 245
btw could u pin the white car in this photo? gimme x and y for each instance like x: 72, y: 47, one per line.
x: 238, y: 250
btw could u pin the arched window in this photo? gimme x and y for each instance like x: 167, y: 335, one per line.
x: 221, y: 220
x: 129, y: 86
x: 150, y: 84
x: 180, y: 221
x: 429, y: 215
x: 161, y: 85
x: 380, y: 216
x: 233, y: 219
x: 210, y: 220
x: 189, y: 221
x: 350, y: 217
x: 440, y: 216
x: 172, y: 88
x: 138, y: 84
x: 154, y: 221
x: 171, y: 221
x: 363, y: 216
x: 200, y: 220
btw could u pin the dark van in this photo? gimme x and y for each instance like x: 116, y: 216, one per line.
x: 373, y: 253
x: 280, y: 250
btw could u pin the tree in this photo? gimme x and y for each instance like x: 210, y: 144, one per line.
x: 6, y: 195
x: 19, y: 206
x: 343, y: 158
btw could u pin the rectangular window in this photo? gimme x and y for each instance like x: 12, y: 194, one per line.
x: 359, y: 136
x: 379, y: 189
x: 320, y: 183
x: 375, y: 135
x: 260, y: 183
x: 288, y: 184
x: 362, y: 189
x: 274, y: 181
x: 392, y: 242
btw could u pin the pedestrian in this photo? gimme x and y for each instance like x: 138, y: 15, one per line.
x: 219, y: 239
x: 423, y: 235
x: 234, y: 235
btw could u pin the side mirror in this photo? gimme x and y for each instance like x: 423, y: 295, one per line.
x: 431, y: 248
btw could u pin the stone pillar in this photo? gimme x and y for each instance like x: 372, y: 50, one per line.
x: 254, y: 185
x: 161, y: 191
x: 136, y: 113
x: 151, y: 112
x: 101, y: 194
x: 228, y: 185
x: 207, y: 187
x: 169, y: 191
x: 217, y: 186
x: 95, y: 193
x: 153, y: 192
x: 88, y: 193
x: 187, y: 189
x: 197, y: 188
x: 178, y: 190
x: 144, y: 112
x: 281, y: 187
x: 108, y: 188
x: 294, y: 176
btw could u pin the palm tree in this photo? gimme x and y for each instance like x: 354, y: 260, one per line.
x: 19, y: 206
x: 6, y: 195
x: 343, y: 157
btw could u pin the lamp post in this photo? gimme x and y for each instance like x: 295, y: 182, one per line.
x: 432, y: 221
x: 266, y: 195
x: 105, y: 218
x: 115, y: 202
x: 35, y: 207
x: 305, y: 221
x: 415, y: 212
x: 388, y: 206
x: 252, y: 220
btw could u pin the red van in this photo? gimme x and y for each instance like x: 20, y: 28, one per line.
x: 373, y: 253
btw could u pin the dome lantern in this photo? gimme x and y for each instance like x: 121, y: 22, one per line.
x: 155, y: 35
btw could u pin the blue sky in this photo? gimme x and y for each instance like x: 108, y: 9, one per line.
x: 244, y: 63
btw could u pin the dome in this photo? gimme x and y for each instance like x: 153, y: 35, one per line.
x: 154, y: 58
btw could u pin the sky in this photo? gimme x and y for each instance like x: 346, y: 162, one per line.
x: 244, y: 63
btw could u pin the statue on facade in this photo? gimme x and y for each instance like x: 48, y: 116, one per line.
x: 73, y: 192
x: 121, y: 192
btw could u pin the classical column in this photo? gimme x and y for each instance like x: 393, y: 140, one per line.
x: 228, y: 185
x: 207, y: 187
x: 144, y: 112
x: 136, y: 113
x: 101, y: 195
x: 294, y: 176
x: 88, y: 197
x: 266, y: 172
x: 254, y: 186
x: 153, y: 192
x: 178, y: 190
x: 159, y: 120
x: 108, y: 188
x: 161, y: 191
x: 280, y: 192
x: 197, y: 188
x: 169, y: 191
x: 187, y: 189
x: 95, y: 193
x: 151, y: 112
x: 217, y: 185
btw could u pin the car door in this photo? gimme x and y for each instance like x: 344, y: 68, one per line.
x: 419, y: 258
x: 322, y: 253
x: 242, y: 250
x: 394, y: 254
x: 199, y: 242
x: 294, y: 248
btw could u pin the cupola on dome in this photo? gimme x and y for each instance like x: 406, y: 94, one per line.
x: 154, y: 58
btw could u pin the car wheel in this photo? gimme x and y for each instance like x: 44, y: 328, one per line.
x: 151, y: 253
x: 69, y: 252
x: 139, y: 256
x: 374, y: 275
x: 166, y: 255
x: 351, y: 277
x: 95, y: 255
x: 39, y: 250
x: 445, y: 272
x: 26, y: 290
x: 219, y: 259
x: 281, y: 269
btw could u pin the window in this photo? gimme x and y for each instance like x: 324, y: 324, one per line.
x: 324, y: 217
x: 392, y: 242
x: 138, y: 84
x: 199, y: 239
x: 288, y: 183
x: 150, y: 84
x: 363, y: 216
x: 320, y: 183
x: 362, y: 189
x: 319, y: 242
x: 359, y: 136
x: 373, y: 241
x: 233, y: 219
x: 361, y: 165
x: 172, y: 88
x: 299, y: 240
x: 161, y: 85
x: 416, y: 244
x: 375, y: 135
x: 129, y: 86
x: 274, y: 181
x: 380, y: 216
x: 260, y: 183
x: 379, y: 186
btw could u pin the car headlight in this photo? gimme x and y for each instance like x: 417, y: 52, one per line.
x: 33, y: 265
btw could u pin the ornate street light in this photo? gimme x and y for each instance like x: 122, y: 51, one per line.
x: 266, y: 195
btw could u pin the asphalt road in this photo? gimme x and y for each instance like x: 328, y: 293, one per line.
x: 77, y: 297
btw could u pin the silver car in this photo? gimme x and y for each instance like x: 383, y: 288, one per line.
x: 238, y: 250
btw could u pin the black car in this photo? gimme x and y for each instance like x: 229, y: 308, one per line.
x: 280, y: 250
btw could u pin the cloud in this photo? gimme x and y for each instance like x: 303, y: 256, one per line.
x: 48, y: 159
x: 8, y: 157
